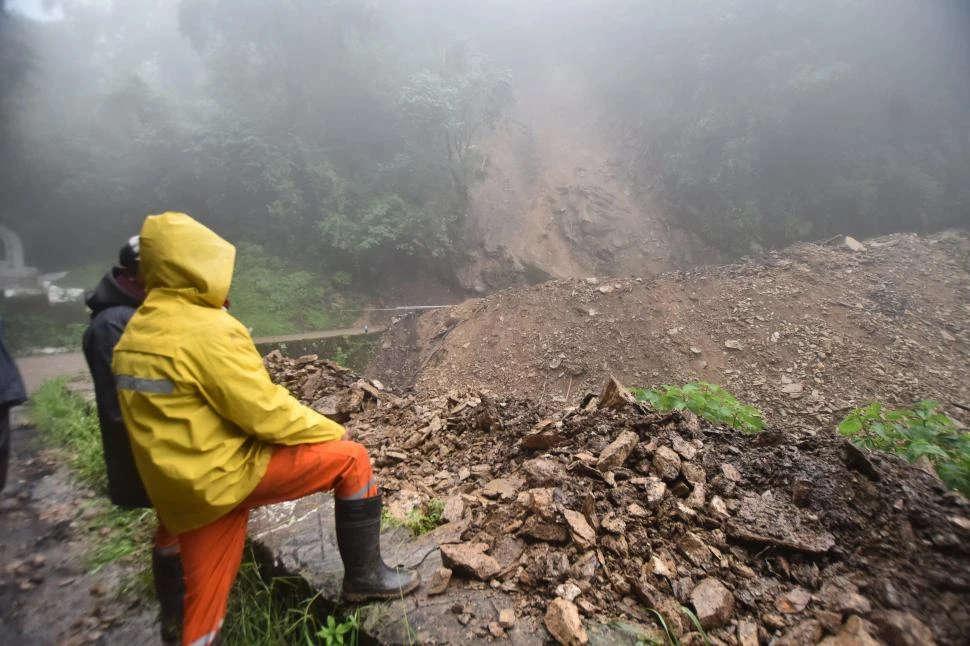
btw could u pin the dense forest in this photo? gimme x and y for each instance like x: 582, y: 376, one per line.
x: 345, y: 135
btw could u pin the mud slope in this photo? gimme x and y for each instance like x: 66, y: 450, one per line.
x: 553, y: 202
x: 803, y: 332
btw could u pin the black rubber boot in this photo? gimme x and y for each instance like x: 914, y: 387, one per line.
x: 366, y: 576
x: 170, y: 590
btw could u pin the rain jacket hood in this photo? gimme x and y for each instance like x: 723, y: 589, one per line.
x: 180, y: 254
x: 202, y: 413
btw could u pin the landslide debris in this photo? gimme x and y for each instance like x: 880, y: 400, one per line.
x: 805, y: 333
x: 605, y: 510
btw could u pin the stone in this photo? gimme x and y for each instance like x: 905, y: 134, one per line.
x: 439, y: 581
x: 713, y: 603
x: 683, y: 448
x: 568, y: 591
x: 618, y: 451
x: 732, y: 344
x: 842, y: 596
x: 807, y: 632
x: 831, y: 621
x: 540, y: 502
x: 794, y: 391
x: 949, y: 338
x: 495, y: 630
x: 470, y: 558
x: 540, y: 472
x: 583, y: 535
x: 563, y: 623
x: 656, y: 490
x: 769, y: 521
x: 677, y: 622
x: 718, y: 507
x: 680, y: 489
x: 613, y: 524
x: 730, y: 472
x: 902, y: 629
x: 694, y: 549
x: 502, y: 488
x: 662, y: 564
x: 636, y: 511
x: 748, y: 633
x: 693, y: 473
x: 793, y: 601
x: 853, y: 245
x: 666, y: 463
x: 454, y: 509
x: 506, y: 618
x: 615, y: 395
x: 853, y: 633
x: 544, y: 530
x: 697, y: 497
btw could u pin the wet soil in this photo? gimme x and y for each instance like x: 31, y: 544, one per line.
x: 48, y: 593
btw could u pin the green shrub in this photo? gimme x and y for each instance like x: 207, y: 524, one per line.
x: 923, y: 431
x: 273, y: 296
x: 706, y: 400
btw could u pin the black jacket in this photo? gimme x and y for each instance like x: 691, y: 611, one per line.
x: 12, y: 392
x: 111, y: 308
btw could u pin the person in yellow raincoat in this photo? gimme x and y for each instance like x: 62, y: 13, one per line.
x: 213, y: 437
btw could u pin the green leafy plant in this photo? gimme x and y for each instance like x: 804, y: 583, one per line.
x: 419, y: 520
x: 922, y: 431
x: 336, y: 634
x: 706, y: 400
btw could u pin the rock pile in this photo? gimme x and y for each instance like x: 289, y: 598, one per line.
x: 610, y: 512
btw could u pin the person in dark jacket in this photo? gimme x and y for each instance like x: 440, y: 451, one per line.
x: 12, y: 393
x: 112, y: 304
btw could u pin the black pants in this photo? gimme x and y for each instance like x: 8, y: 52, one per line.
x: 4, y: 444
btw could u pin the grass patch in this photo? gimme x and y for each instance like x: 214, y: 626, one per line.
x: 923, y: 431
x: 706, y: 400
x: 281, y: 610
x: 24, y: 332
x: 68, y: 424
x: 273, y: 296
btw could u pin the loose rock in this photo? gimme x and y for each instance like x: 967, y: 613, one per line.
x: 713, y: 603
x: 563, y: 623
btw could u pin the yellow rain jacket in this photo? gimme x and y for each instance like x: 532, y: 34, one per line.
x: 201, y: 410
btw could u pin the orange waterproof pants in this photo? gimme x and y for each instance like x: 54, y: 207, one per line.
x: 211, y: 555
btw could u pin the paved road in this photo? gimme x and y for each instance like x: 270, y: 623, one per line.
x: 38, y: 369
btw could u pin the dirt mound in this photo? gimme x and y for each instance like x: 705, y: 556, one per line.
x: 804, y: 333
x: 610, y: 509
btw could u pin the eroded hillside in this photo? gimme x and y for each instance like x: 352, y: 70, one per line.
x: 804, y: 333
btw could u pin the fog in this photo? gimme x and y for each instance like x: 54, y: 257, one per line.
x: 354, y: 135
